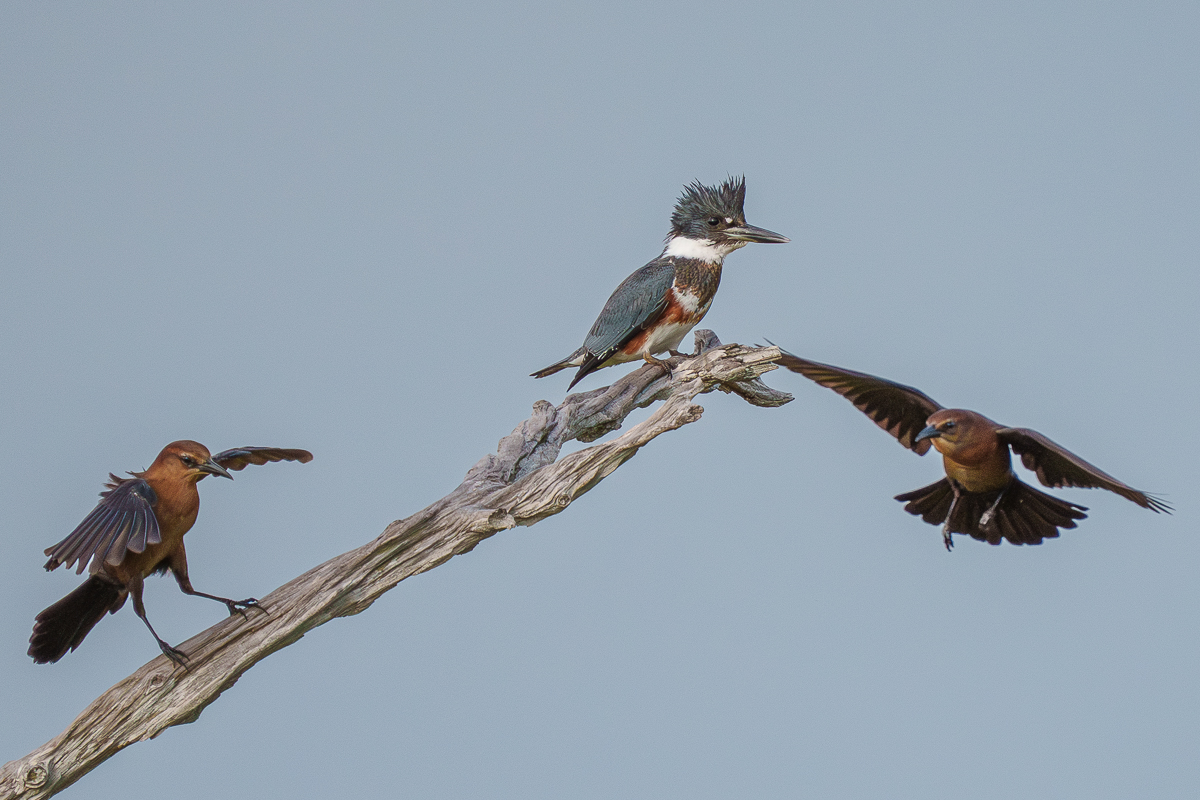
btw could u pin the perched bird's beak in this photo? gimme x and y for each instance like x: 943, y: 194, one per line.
x: 749, y: 233
x: 930, y: 432
x: 213, y: 468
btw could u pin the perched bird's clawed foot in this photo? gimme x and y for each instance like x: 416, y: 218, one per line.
x: 174, y: 653
x: 946, y: 538
x: 237, y: 606
x: 659, y: 362
x: 677, y: 354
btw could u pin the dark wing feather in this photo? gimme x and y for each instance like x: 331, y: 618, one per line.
x: 1057, y: 467
x: 898, y: 409
x: 241, y: 457
x: 122, y: 521
x: 635, y: 304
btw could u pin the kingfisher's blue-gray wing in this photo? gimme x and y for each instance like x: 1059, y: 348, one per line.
x: 123, y: 521
x: 636, y: 303
x: 242, y: 457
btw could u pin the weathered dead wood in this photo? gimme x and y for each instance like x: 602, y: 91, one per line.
x: 522, y: 483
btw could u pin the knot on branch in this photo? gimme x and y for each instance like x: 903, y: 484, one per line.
x: 36, y: 776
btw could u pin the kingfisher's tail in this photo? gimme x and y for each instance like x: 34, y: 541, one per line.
x: 573, y: 360
x: 550, y: 370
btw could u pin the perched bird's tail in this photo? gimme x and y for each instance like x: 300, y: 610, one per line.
x: 62, y: 626
x: 550, y: 370
x: 573, y: 360
x: 1023, y: 516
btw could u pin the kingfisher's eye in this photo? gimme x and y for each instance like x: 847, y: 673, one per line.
x: 714, y: 221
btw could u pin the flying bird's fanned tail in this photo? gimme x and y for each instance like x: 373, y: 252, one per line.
x: 1024, y: 515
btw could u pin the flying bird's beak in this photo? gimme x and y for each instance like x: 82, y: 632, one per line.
x: 930, y: 432
x: 213, y: 468
x: 749, y: 233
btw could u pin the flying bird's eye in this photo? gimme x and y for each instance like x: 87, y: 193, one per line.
x: 188, y: 461
x: 949, y: 426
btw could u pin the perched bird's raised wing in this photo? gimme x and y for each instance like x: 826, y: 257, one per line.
x: 898, y: 409
x: 123, y: 520
x: 241, y: 457
x: 1057, y: 467
x: 636, y: 303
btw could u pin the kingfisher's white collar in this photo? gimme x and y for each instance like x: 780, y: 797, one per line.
x: 700, y: 249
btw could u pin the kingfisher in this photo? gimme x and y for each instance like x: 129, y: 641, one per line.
x: 655, y: 307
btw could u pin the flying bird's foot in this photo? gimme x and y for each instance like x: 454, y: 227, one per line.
x: 986, y: 517
x: 950, y: 516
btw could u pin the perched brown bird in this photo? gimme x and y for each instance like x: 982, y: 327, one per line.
x: 135, y: 530
x: 980, y: 495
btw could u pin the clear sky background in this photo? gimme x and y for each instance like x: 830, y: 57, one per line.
x: 356, y: 228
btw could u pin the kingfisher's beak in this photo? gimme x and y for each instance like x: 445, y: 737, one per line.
x: 930, y: 432
x: 749, y: 233
x: 213, y: 468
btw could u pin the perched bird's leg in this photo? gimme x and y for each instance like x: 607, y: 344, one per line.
x: 234, y: 606
x: 659, y: 362
x: 949, y: 516
x: 173, y: 653
x: 986, y: 518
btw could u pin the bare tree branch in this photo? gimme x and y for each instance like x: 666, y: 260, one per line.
x: 522, y: 483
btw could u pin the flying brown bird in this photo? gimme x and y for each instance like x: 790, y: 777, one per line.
x: 981, y: 495
x: 137, y: 529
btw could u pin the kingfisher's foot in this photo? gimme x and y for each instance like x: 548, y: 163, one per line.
x: 658, y: 362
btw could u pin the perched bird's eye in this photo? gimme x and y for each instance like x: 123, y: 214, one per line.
x: 949, y: 426
x: 188, y: 460
x: 714, y: 221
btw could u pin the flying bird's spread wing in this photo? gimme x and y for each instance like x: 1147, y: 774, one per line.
x: 898, y: 409
x: 1058, y: 467
x: 123, y: 520
x: 241, y: 457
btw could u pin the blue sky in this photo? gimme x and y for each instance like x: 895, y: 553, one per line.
x: 357, y: 229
